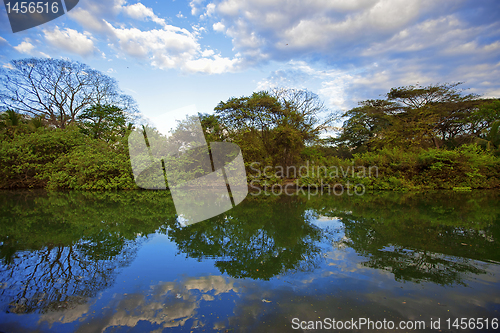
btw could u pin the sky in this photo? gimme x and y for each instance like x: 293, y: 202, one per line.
x: 178, y: 57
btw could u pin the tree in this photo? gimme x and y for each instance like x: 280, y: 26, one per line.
x: 10, y: 122
x: 105, y: 122
x: 13, y: 123
x: 364, y: 123
x: 212, y: 127
x: 416, y: 116
x: 273, y: 125
x: 58, y: 90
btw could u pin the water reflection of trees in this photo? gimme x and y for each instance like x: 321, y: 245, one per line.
x: 423, y: 237
x: 59, y: 277
x: 259, y: 239
x: 58, y: 250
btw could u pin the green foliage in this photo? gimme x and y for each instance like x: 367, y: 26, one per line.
x: 13, y: 123
x: 273, y: 127
x: 63, y: 159
x: 417, y: 138
x: 415, y: 117
x: 105, y: 122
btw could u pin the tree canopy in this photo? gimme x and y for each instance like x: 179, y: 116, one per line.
x: 106, y: 122
x: 58, y: 90
x: 415, y: 116
x: 274, y: 125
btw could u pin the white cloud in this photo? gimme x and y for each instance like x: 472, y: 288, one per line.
x: 446, y: 34
x: 331, y: 85
x: 171, y: 47
x: 8, y: 66
x: 209, y: 11
x: 195, y: 6
x: 171, y: 41
x: 207, y: 53
x: 219, y: 27
x: 168, y: 48
x: 214, y: 65
x: 25, y: 46
x: 140, y: 12
x: 278, y: 29
x: 410, y: 40
x: 71, y: 40
x: 89, y: 20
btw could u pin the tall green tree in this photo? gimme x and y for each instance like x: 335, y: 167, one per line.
x: 416, y: 117
x: 273, y: 126
x: 105, y: 122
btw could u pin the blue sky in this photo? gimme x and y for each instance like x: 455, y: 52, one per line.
x: 178, y: 54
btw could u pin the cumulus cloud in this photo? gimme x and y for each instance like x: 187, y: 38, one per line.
x: 196, y: 6
x: 166, y: 48
x: 332, y: 85
x: 446, y: 35
x: 301, y: 25
x: 140, y: 12
x: 71, y: 40
x: 25, y: 46
x: 213, y: 65
x: 219, y: 26
x: 209, y: 11
x: 171, y: 47
x: 341, y: 31
x: 410, y: 40
x: 172, y: 40
x: 89, y: 21
x: 92, y: 14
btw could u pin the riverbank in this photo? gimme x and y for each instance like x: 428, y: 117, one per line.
x: 67, y: 159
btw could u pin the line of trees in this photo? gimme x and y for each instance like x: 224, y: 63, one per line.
x: 65, y: 125
x: 410, y: 117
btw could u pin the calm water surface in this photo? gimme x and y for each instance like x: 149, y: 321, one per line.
x: 123, y: 262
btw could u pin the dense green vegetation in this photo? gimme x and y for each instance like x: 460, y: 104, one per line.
x: 62, y: 129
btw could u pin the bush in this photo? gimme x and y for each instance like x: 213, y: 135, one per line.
x: 63, y: 159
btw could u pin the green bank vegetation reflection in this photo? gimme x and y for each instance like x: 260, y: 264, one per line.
x: 60, y: 249
x: 421, y: 237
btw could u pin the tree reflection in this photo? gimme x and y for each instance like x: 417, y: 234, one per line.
x: 423, y: 237
x: 58, y: 250
x: 58, y: 277
x: 261, y: 238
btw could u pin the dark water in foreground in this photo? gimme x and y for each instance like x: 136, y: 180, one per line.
x: 120, y: 262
